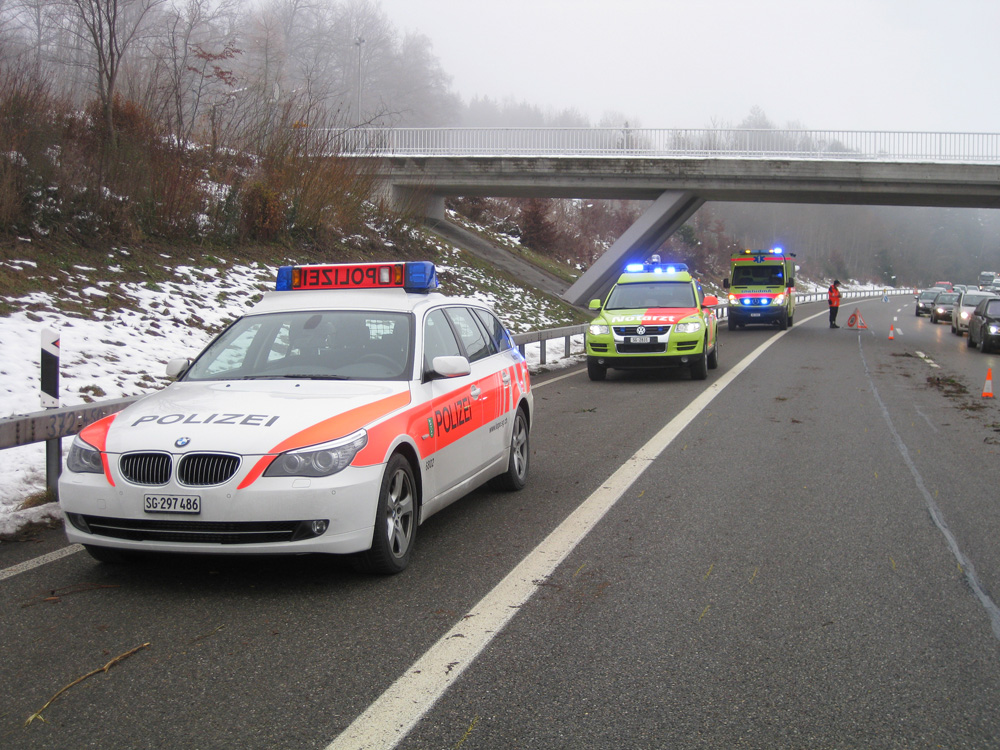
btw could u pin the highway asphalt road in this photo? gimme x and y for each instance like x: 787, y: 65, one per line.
x: 808, y: 559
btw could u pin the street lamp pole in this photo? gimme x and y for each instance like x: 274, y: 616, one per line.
x: 357, y: 43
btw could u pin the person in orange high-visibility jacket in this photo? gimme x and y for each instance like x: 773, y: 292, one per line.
x: 834, y: 298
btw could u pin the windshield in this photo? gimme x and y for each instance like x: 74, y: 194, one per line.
x: 651, y: 294
x: 930, y: 295
x: 947, y: 299
x: 758, y: 275
x: 971, y: 300
x: 310, y: 345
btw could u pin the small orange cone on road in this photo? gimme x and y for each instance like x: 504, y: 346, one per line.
x: 892, y: 329
x: 988, y: 386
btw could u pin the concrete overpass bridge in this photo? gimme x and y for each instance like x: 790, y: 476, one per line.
x: 679, y: 170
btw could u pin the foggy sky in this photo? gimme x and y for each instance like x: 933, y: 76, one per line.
x: 925, y: 65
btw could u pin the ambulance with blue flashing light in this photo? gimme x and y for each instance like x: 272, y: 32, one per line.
x: 339, y: 413
x: 655, y: 316
x: 761, y: 288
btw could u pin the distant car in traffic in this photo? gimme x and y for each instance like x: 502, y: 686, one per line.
x: 944, y: 303
x: 963, y: 310
x: 925, y: 301
x: 984, y: 325
x: 944, y: 285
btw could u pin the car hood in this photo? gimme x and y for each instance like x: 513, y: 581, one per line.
x: 651, y: 316
x: 246, y: 417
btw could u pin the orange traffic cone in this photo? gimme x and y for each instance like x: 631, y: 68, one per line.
x: 892, y: 329
x: 988, y: 385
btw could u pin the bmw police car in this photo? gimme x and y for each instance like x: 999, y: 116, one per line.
x: 339, y: 413
x: 654, y: 316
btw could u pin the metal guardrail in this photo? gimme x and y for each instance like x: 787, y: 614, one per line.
x: 867, y: 145
x: 69, y: 420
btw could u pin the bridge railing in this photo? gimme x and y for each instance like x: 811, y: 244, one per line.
x: 675, y: 143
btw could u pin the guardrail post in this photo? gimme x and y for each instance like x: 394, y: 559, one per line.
x: 50, y: 400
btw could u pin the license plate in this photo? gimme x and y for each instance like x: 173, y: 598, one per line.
x: 754, y: 315
x: 172, y: 504
x: 638, y: 339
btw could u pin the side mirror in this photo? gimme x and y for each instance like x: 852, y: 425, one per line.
x: 725, y: 283
x: 791, y: 281
x: 595, y: 304
x: 177, y: 367
x: 451, y: 367
x: 709, y: 300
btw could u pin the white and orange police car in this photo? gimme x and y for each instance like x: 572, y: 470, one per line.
x: 339, y: 413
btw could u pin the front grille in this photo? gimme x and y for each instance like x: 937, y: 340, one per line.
x: 206, y: 469
x: 650, y: 330
x: 203, y: 532
x: 150, y: 469
x: 641, y: 348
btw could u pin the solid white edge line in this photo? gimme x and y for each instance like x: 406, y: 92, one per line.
x: 39, y: 561
x: 394, y: 714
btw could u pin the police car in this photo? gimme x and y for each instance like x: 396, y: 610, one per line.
x: 655, y: 316
x: 339, y: 413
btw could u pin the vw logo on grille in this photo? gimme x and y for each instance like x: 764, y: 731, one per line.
x: 640, y: 330
x: 181, y: 442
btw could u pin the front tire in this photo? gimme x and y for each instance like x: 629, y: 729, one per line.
x: 595, y: 370
x: 713, y: 358
x: 395, y: 522
x: 516, y: 475
x: 984, y: 344
x: 699, y: 369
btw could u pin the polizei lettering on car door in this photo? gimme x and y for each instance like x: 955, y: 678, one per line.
x: 453, y: 415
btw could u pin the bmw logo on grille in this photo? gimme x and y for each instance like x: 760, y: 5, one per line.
x: 181, y: 442
x: 640, y: 330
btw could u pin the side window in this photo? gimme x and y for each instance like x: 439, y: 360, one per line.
x: 471, y: 332
x: 497, y: 333
x: 439, y: 341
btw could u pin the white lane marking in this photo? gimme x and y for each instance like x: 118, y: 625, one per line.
x: 927, y: 359
x: 393, y: 714
x: 964, y: 563
x: 39, y: 561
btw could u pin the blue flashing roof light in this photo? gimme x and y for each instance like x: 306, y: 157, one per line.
x: 421, y: 276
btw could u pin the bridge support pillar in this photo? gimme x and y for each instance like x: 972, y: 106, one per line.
x: 639, y: 241
x: 415, y: 201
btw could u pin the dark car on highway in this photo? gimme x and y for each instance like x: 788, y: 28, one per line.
x: 984, y: 325
x: 925, y: 301
x: 944, y: 303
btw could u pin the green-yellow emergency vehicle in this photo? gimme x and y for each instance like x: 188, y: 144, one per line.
x: 656, y: 315
x: 761, y: 288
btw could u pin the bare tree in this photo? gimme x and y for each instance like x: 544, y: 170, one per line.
x: 109, y: 28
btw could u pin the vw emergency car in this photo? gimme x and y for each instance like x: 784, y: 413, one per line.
x: 761, y: 287
x: 654, y: 316
x: 338, y: 414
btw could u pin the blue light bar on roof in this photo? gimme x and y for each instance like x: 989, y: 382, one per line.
x: 412, y: 276
x: 655, y: 267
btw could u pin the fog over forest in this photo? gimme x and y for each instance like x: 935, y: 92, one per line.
x: 229, y: 72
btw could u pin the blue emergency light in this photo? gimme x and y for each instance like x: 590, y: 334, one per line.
x: 411, y: 276
x: 655, y: 268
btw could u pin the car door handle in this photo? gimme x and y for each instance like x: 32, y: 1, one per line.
x: 475, y: 392
x: 505, y: 377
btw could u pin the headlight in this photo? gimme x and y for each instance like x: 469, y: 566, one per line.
x: 941, y: 310
x: 599, y: 329
x: 780, y: 299
x: 733, y: 299
x: 318, y: 460
x: 691, y: 326
x: 84, y: 458
x: 965, y: 315
x: 994, y: 329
